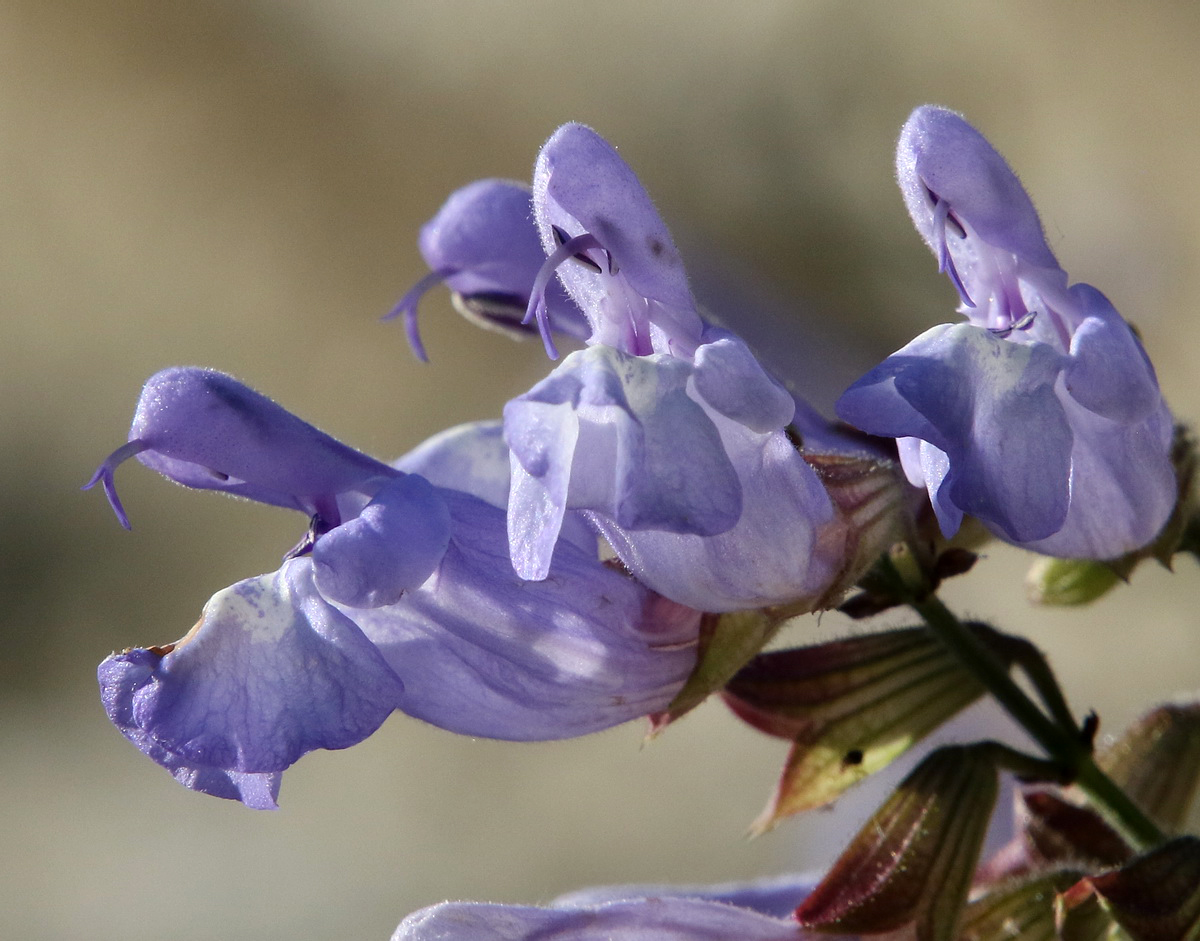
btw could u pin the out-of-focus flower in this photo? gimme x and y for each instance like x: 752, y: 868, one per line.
x: 1041, y: 415
x: 665, y: 432
x: 751, y: 911
x: 483, y: 245
x: 415, y: 607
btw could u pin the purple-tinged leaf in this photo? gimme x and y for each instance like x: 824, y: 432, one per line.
x: 912, y: 862
x: 1060, y: 832
x: 1157, y: 762
x: 1156, y: 897
x: 850, y: 708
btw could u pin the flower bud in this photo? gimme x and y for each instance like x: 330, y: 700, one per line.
x: 1069, y: 581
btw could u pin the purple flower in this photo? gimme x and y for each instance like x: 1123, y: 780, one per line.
x: 665, y: 432
x: 484, y: 652
x: 374, y: 530
x: 1041, y: 415
x: 401, y: 596
x: 483, y: 245
x: 751, y: 911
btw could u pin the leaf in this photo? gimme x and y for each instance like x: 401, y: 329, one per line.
x: 850, y: 708
x: 1021, y: 911
x: 912, y: 862
x: 1156, y: 897
x: 1058, y: 831
x: 1157, y: 762
x: 727, y: 642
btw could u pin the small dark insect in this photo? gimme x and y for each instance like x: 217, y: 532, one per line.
x: 853, y: 757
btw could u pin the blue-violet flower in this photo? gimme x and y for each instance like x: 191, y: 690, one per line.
x: 1041, y: 415
x: 483, y: 245
x: 748, y: 911
x: 664, y: 431
x: 400, y: 596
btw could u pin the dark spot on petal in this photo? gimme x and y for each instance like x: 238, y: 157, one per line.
x: 604, y: 229
x: 656, y: 246
x: 853, y: 757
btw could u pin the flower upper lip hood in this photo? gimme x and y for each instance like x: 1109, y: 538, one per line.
x: 483, y: 245
x: 588, y: 202
x: 375, y: 531
x: 948, y: 172
x: 204, y: 429
x: 1042, y: 414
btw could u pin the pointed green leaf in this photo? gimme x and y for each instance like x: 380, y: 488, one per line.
x: 1081, y: 916
x: 727, y: 642
x: 850, y: 707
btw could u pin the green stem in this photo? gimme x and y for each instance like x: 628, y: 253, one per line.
x: 1062, y: 745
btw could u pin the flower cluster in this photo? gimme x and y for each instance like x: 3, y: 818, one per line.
x: 639, y: 523
x: 463, y: 584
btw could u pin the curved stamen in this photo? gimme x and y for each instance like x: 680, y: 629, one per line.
x: 537, y: 296
x: 560, y: 236
x: 941, y: 214
x: 407, y: 305
x: 104, y: 474
x: 1024, y: 323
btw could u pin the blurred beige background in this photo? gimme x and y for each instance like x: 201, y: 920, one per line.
x: 239, y: 185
